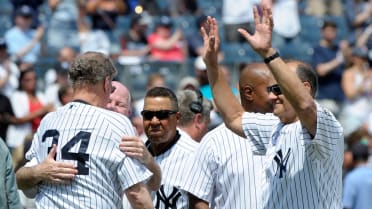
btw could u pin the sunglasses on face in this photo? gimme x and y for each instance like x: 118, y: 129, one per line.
x: 275, y: 89
x: 161, y: 114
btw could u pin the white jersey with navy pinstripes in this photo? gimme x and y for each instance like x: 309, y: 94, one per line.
x: 224, y: 171
x: 171, y: 162
x: 300, y: 171
x: 88, y: 137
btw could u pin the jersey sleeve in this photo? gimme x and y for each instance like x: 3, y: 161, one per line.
x: 329, y: 137
x: 258, y: 128
x: 131, y: 172
x: 32, y: 153
x: 201, y: 170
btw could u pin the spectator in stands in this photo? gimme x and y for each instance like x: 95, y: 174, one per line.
x: 189, y: 82
x: 9, y: 71
x: 182, y: 7
x: 287, y: 22
x: 195, y: 40
x: 166, y: 45
x: 34, y: 4
x: 357, y: 183
x: 62, y: 25
x: 5, y: 111
x: 60, y: 70
x: 237, y: 14
x: 358, y: 14
x: 329, y: 63
x: 357, y: 86
x: 321, y: 8
x: 65, y: 94
x: 24, y: 42
x: 29, y: 104
x: 201, y: 73
x: 365, y: 40
x: 103, y: 15
x: 134, y: 42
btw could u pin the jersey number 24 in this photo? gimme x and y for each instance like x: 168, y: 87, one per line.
x: 81, y: 156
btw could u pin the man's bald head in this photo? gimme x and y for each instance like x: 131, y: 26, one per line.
x: 120, y: 99
x: 253, y: 82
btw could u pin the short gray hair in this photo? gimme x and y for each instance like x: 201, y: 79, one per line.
x: 185, y: 98
x: 90, y: 68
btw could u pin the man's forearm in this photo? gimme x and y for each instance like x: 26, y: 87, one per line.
x: 27, y: 177
x: 155, y: 180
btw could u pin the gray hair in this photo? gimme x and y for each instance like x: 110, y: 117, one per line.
x: 90, y: 68
x: 185, y: 98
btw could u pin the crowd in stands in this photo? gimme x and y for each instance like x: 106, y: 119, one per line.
x: 158, y: 43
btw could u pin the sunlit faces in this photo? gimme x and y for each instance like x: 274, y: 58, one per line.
x: 160, y: 119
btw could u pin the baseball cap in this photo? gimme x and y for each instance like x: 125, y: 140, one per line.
x: 360, y: 52
x: 199, y: 64
x: 24, y: 11
x: 165, y: 21
x: 188, y: 82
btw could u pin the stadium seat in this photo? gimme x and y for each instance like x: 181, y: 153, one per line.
x: 310, y: 29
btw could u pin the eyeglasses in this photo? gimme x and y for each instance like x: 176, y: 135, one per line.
x: 161, y: 114
x: 275, y: 89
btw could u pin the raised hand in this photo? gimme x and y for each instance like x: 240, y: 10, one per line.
x: 260, y: 41
x: 211, y: 39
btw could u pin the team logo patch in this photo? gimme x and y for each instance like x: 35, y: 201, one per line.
x: 281, y: 163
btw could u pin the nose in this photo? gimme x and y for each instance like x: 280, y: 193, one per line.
x: 272, y: 96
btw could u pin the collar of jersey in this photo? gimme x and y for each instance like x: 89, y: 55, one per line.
x: 81, y: 101
x: 174, y: 141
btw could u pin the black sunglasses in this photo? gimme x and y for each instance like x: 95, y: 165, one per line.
x: 160, y: 114
x: 275, y: 89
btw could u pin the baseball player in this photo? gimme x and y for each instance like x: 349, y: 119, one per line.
x: 195, y: 114
x: 224, y: 161
x: 170, y: 148
x: 303, y: 144
x: 86, y: 135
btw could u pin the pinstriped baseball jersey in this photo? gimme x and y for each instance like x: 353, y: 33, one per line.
x: 300, y: 171
x: 225, y: 172
x: 171, y: 163
x: 89, y: 137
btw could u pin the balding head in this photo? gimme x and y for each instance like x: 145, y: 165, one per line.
x: 120, y: 99
x: 253, y: 82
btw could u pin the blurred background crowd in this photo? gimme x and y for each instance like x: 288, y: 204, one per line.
x: 157, y: 43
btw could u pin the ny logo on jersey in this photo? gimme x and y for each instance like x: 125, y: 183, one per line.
x: 168, y: 202
x: 281, y: 163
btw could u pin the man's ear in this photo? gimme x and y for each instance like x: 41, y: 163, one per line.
x: 307, y: 86
x: 247, y: 91
x: 107, y: 84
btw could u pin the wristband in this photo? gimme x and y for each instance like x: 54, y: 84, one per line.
x: 267, y: 60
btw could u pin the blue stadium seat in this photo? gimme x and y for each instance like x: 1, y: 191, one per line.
x: 310, y: 29
x: 298, y: 50
x: 186, y: 23
x: 235, y: 53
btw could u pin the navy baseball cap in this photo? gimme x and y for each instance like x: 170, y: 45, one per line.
x: 24, y: 11
x: 165, y: 21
